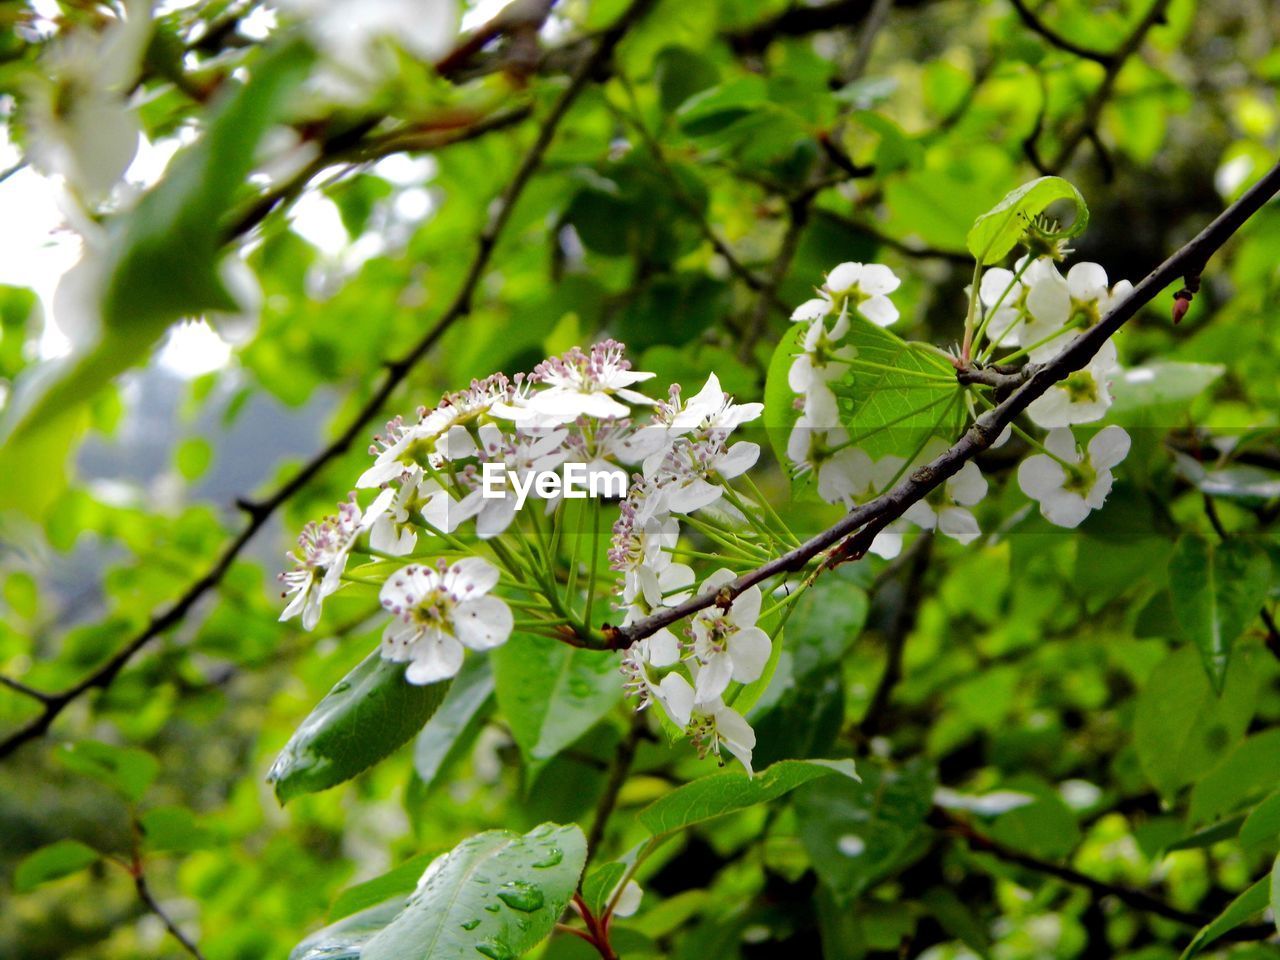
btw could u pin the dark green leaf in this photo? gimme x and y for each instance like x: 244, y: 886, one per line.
x: 1247, y: 772
x: 1217, y: 590
x: 454, y: 726
x: 127, y: 770
x: 367, y: 715
x: 1250, y: 903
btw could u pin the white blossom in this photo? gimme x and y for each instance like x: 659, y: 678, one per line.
x: 728, y: 644
x: 322, y: 557
x: 440, y: 610
x: 587, y: 384
x: 866, y: 286
x: 1068, y: 483
x: 1082, y: 397
x: 946, y: 510
x: 822, y: 358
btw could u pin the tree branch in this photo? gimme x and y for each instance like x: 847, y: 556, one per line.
x: 904, y: 621
x: 1058, y: 40
x: 853, y: 534
x: 144, y: 893
x: 617, y: 777
x: 397, y: 371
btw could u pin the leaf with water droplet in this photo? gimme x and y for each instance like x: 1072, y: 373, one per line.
x: 519, y: 895
x: 553, y: 857
x: 367, y: 715
x: 452, y: 916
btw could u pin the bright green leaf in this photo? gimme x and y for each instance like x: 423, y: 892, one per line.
x: 1262, y: 825
x: 57, y: 860
x: 127, y: 770
x: 400, y: 882
x: 1250, y: 903
x: 997, y: 231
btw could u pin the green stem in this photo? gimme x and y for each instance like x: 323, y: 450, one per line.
x: 1026, y: 262
x: 973, y: 309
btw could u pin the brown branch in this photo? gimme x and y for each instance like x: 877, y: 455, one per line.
x: 797, y: 21
x: 1058, y: 40
x: 766, y: 299
x: 144, y: 893
x: 617, y: 777
x: 397, y: 371
x: 853, y: 534
x: 904, y: 621
x: 1093, y: 108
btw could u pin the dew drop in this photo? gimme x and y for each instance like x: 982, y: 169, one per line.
x: 471, y: 924
x: 492, y: 907
x: 522, y: 896
x: 495, y: 950
x: 553, y: 858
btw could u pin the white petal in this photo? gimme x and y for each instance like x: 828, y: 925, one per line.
x: 473, y: 576
x: 879, y: 310
x: 994, y: 283
x: 736, y: 734
x: 812, y: 310
x: 495, y: 516
x: 1108, y: 447
x: 1062, y: 444
x: 959, y: 524
x: 877, y: 280
x: 662, y: 649
x: 1049, y: 302
x: 746, y: 607
x: 1087, y: 281
x: 434, y: 659
x: 738, y: 459
x: 844, y: 277
x: 922, y: 515
x: 1065, y: 510
x: 676, y: 696
x: 749, y: 650
x: 713, y: 678
x: 1040, y: 476
x: 968, y: 486
x: 626, y: 903
x: 483, y: 623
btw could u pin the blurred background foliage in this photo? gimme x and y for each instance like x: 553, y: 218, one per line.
x: 729, y: 153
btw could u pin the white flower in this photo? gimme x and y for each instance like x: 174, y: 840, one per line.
x: 395, y: 531
x: 866, y: 287
x: 524, y: 454
x: 81, y: 125
x: 689, y: 476
x: 322, y: 557
x: 728, y: 644
x: 438, y: 612
x: 710, y: 725
x: 843, y: 471
x: 1083, y: 298
x: 1082, y: 397
x: 711, y: 409
x: 812, y: 310
x: 1003, y: 326
x: 821, y: 359
x: 587, y: 384
x: 945, y: 509
x: 1067, y: 483
x: 626, y: 901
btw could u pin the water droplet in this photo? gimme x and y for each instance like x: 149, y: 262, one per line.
x: 553, y: 858
x: 492, y: 907
x: 495, y: 950
x: 471, y: 924
x: 342, y: 687
x: 522, y: 896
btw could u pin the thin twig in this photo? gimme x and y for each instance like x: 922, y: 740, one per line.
x: 1058, y: 40
x: 904, y: 622
x: 144, y: 893
x: 617, y: 777
x: 855, y: 531
x: 396, y: 372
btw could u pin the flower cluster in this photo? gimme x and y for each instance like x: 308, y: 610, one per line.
x: 689, y: 675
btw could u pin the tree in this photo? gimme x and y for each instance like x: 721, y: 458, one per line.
x: 809, y: 548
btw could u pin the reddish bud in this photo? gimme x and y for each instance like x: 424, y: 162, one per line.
x: 1180, y: 305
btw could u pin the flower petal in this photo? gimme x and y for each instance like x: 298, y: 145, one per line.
x: 483, y: 623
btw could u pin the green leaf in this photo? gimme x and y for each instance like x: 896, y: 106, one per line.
x: 1250, y: 770
x: 1253, y: 901
x: 345, y: 939
x: 1275, y: 893
x: 1181, y: 727
x: 127, y: 770
x: 57, y: 860
x: 679, y: 73
x: 1207, y: 837
x: 998, y: 230
x: 553, y: 693
x: 857, y: 833
x: 454, y: 726
x: 1217, y: 590
x: 367, y: 715
x: 175, y: 829
x: 1262, y: 825
x: 162, y: 262
x: 496, y: 894
x: 1152, y: 393
x: 400, y: 882
x: 601, y: 883
x: 732, y: 790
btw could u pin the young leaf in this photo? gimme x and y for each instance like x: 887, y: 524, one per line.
x: 496, y: 894
x: 1217, y: 589
x: 127, y: 770
x: 1252, y: 901
x: 371, y: 712
x: 733, y: 790
x: 1262, y: 825
x: 998, y: 230
x: 553, y: 693
x: 57, y: 860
